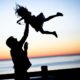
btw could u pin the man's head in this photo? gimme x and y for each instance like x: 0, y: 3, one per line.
x: 11, y: 42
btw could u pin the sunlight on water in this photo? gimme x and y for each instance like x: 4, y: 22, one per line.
x: 53, y: 63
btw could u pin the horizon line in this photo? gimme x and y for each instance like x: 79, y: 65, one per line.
x: 46, y: 56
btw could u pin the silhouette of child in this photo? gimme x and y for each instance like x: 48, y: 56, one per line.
x: 19, y: 56
x: 35, y: 21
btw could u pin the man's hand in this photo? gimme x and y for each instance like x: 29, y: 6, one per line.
x: 25, y: 46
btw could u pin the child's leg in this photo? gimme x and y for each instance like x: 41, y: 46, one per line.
x: 55, y: 34
x: 48, y: 32
x: 59, y: 14
x: 53, y: 16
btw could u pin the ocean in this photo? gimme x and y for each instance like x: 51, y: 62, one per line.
x: 53, y: 63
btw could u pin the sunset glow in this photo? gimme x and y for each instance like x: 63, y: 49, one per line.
x: 67, y: 27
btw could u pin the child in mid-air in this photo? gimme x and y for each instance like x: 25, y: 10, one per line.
x: 35, y: 21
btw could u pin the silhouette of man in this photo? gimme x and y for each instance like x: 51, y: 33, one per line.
x: 19, y: 56
x: 35, y: 21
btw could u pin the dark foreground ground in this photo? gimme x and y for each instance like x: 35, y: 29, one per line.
x: 64, y: 74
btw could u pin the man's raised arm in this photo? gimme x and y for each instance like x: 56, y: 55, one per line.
x: 25, y: 35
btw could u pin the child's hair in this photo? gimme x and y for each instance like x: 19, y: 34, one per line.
x: 21, y: 11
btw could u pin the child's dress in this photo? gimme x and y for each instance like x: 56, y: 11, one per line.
x: 37, y: 22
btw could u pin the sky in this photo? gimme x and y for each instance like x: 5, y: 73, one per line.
x: 67, y: 27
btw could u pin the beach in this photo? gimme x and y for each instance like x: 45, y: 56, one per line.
x: 53, y: 63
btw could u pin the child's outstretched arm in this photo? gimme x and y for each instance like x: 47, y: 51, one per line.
x: 50, y: 17
x: 19, y: 21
